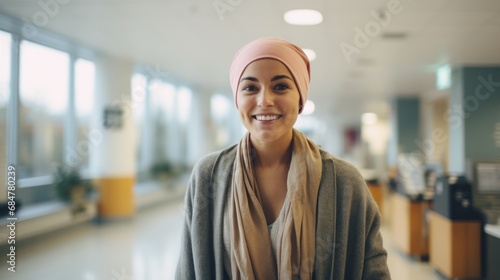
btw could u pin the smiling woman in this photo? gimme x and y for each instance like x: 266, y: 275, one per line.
x: 268, y: 103
x: 276, y: 206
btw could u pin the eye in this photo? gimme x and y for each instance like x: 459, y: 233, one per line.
x: 281, y: 87
x: 249, y: 88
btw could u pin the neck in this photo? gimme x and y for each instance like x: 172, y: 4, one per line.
x: 275, y: 153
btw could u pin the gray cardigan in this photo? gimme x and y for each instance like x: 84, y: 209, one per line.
x: 348, y: 241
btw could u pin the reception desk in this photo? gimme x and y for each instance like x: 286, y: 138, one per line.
x: 492, y: 252
x: 377, y: 193
x: 455, y: 247
x: 409, y: 226
x: 374, y: 186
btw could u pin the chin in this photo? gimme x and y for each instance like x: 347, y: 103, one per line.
x: 267, y: 136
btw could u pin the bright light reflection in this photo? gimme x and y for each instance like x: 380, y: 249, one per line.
x: 163, y: 97
x: 369, y: 119
x: 443, y: 77
x: 219, y: 105
x: 310, y: 54
x: 139, y: 83
x: 184, y: 104
x: 84, y: 87
x: 5, y: 43
x: 309, y: 108
x: 44, y: 78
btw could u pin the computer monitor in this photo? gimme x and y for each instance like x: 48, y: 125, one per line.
x: 487, y: 177
x: 486, y: 188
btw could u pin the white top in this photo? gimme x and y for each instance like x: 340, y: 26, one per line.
x: 273, y: 233
x: 493, y: 230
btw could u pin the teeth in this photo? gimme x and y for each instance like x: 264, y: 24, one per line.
x: 267, y: 118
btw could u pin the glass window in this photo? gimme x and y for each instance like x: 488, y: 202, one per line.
x: 43, y: 91
x: 139, y: 84
x: 184, y: 100
x: 219, y: 105
x: 84, y: 99
x: 5, y: 53
x: 5, y: 45
x: 139, y: 98
x: 184, y: 96
x: 220, y: 109
x: 164, y: 134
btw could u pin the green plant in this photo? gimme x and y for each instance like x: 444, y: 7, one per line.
x: 161, y: 169
x: 67, y: 183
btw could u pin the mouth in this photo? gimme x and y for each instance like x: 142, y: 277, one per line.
x: 267, y: 117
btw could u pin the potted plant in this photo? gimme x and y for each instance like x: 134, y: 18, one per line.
x: 162, y: 170
x: 70, y: 187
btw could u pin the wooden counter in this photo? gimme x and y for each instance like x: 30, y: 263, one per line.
x: 492, y: 252
x: 409, y: 227
x: 377, y: 192
x: 455, y: 247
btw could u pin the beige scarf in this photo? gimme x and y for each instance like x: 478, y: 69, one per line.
x: 251, y: 254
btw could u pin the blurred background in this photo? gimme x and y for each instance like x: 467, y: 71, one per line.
x: 105, y: 106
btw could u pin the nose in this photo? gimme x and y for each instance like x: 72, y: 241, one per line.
x: 265, y: 98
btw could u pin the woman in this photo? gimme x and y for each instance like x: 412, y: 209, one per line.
x: 275, y: 206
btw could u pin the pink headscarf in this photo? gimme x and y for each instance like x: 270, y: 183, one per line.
x: 287, y: 53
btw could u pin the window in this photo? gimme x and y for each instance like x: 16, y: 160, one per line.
x: 139, y: 99
x: 5, y: 53
x: 184, y: 114
x: 139, y: 85
x: 5, y: 45
x: 84, y: 99
x: 164, y: 134
x: 184, y: 105
x: 220, y: 110
x: 43, y: 91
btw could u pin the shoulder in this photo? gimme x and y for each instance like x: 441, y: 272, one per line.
x: 346, y: 177
x: 212, y: 167
x: 204, y: 183
x: 207, y: 164
x: 343, y: 170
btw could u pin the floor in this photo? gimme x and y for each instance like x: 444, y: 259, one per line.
x: 144, y: 247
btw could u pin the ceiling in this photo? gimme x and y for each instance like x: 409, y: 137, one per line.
x: 194, y: 42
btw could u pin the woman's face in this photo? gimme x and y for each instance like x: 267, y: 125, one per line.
x: 268, y: 100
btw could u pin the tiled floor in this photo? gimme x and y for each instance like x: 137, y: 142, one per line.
x: 145, y: 247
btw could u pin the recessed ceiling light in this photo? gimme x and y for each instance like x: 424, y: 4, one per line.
x: 310, y: 54
x: 303, y: 17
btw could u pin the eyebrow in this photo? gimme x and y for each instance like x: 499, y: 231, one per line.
x: 275, y: 78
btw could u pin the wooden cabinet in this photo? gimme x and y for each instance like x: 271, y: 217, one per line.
x: 409, y: 227
x: 455, y: 247
x: 492, y: 252
x: 377, y: 193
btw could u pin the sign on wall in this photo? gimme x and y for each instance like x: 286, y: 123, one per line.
x: 113, y: 117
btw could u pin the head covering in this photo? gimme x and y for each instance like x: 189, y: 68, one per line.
x: 286, y: 52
